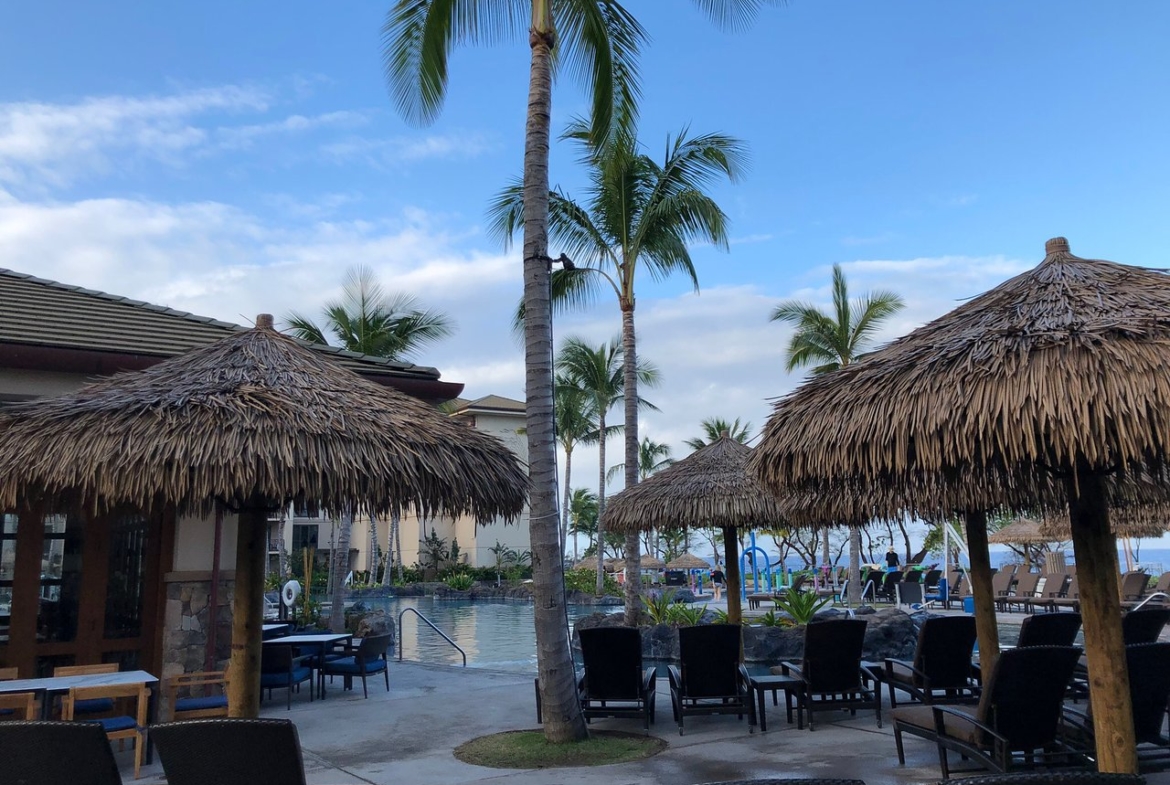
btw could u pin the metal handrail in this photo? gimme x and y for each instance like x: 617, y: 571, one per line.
x: 1158, y: 595
x: 430, y: 624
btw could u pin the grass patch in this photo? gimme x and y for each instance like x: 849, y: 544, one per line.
x: 527, y: 749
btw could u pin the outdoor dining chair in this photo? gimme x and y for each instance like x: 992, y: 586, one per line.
x: 280, y: 670
x: 614, y: 683
x: 117, y: 728
x: 710, y: 678
x: 830, y: 672
x: 96, y: 705
x: 365, y: 659
x: 246, y: 752
x: 941, y: 671
x: 198, y: 695
x: 57, y: 753
x: 18, y: 706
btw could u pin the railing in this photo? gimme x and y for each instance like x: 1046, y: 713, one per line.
x: 430, y: 624
x: 1158, y: 595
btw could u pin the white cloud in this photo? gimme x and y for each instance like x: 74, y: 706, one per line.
x: 394, y: 151
x: 241, y: 137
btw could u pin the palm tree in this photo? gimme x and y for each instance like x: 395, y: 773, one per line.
x: 715, y: 427
x: 583, y: 513
x: 639, y: 213
x: 828, y: 341
x: 368, y: 320
x: 652, y: 457
x: 576, y: 423
x: 599, y: 372
x: 600, y: 44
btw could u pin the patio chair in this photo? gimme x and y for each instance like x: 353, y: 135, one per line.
x: 18, y: 706
x: 205, y: 695
x: 958, y: 589
x: 1018, y: 718
x: 1056, y: 778
x: 1132, y: 585
x: 1022, y: 594
x: 97, y: 705
x: 1070, y: 596
x: 1141, y: 626
x: 1149, y: 692
x: 941, y: 671
x: 885, y: 588
x: 57, y: 753
x: 710, y: 678
x: 1002, y: 583
x: 280, y: 670
x: 1052, y: 584
x: 1153, y: 597
x: 1049, y: 629
x: 365, y: 659
x: 614, y: 683
x: 930, y: 579
x: 120, y: 727
x: 830, y: 671
x: 246, y: 752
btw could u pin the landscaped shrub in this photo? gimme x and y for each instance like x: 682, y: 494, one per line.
x: 685, y: 616
x: 800, y: 605
x: 585, y: 581
x: 460, y: 581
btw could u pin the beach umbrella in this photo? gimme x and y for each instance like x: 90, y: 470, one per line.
x: 709, y: 488
x: 1023, y: 531
x: 251, y: 422
x: 652, y: 563
x: 1050, y: 389
x: 688, y: 561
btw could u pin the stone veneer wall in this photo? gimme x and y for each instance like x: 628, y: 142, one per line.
x: 187, y: 620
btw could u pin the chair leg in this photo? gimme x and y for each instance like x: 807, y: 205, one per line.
x: 898, y: 744
x: 386, y: 673
x: 365, y: 693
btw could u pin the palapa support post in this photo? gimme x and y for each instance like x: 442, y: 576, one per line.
x: 248, y: 614
x: 1095, y: 549
x: 986, y: 628
x: 731, y: 576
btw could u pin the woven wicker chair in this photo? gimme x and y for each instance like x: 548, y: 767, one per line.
x: 614, y: 683
x: 1054, y: 778
x: 710, y: 678
x: 57, y: 753
x: 1049, y: 629
x: 246, y: 752
x: 941, y: 671
x: 830, y: 671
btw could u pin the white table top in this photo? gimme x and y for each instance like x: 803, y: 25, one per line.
x: 305, y: 640
x: 271, y: 627
x: 66, y: 683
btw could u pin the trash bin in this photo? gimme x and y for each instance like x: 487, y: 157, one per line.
x: 968, y: 604
x: 676, y: 578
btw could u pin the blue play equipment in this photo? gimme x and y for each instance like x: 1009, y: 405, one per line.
x: 758, y: 556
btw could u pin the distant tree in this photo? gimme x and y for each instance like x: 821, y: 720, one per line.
x: 713, y: 428
x: 576, y: 423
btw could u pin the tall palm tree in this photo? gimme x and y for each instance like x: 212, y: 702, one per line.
x: 600, y: 44
x: 576, y: 423
x: 652, y: 457
x: 713, y: 428
x: 639, y: 213
x: 583, y: 513
x: 368, y: 320
x: 828, y: 341
x: 600, y: 372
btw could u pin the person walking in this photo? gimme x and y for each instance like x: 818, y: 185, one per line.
x: 891, y: 560
x: 717, y: 579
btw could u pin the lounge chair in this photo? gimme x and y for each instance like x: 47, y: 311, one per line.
x: 614, y: 683
x: 941, y: 671
x: 1018, y: 718
x: 1052, y: 584
x: 958, y: 589
x: 57, y: 753
x: 1070, y: 596
x: 1149, y: 692
x: 120, y: 727
x: 204, y: 695
x: 242, y: 752
x: 1153, y: 597
x: 366, y: 659
x: 280, y: 670
x: 1049, y: 629
x: 1140, y: 626
x: 885, y: 589
x: 830, y: 671
x: 1002, y: 583
x: 1132, y: 585
x: 1057, y: 778
x: 1022, y: 594
x: 710, y: 678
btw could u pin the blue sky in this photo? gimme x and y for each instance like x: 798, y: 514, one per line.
x: 234, y: 158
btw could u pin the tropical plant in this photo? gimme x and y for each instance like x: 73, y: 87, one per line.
x: 800, y: 605
x: 685, y: 615
x: 652, y: 457
x: 599, y: 41
x: 828, y: 341
x: 658, y: 606
x: 576, y: 423
x: 773, y: 619
x: 720, y: 616
x: 433, y: 551
x: 715, y: 427
x: 584, y: 581
x: 460, y: 581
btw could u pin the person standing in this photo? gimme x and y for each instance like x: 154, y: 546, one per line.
x: 891, y: 560
x: 717, y: 579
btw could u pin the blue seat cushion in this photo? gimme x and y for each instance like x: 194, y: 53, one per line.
x: 6, y: 712
x: 283, y: 679
x: 93, y: 706
x: 110, y: 724
x: 199, y: 704
x: 349, y: 665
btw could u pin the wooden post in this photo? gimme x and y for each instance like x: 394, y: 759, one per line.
x: 1095, y: 549
x: 731, y: 574
x: 985, y: 625
x: 248, y: 614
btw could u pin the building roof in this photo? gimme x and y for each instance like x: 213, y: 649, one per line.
x: 48, y: 325
x: 488, y: 404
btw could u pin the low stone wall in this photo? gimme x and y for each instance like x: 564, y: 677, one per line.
x: 480, y: 591
x: 891, y: 633
x: 187, y: 618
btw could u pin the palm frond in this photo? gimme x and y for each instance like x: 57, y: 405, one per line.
x: 305, y: 329
x: 734, y: 15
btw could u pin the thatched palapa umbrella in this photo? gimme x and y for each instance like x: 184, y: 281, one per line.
x: 688, y: 561
x: 709, y: 488
x: 250, y: 422
x: 651, y: 563
x: 1049, y: 389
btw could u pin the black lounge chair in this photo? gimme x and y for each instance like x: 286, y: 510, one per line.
x: 230, y: 752
x: 614, y: 683
x: 365, y: 659
x: 941, y: 671
x: 1022, y: 594
x: 830, y: 672
x: 280, y: 670
x: 802, y: 781
x: 710, y: 678
x: 1049, y: 629
x: 1140, y: 626
x: 1018, y: 719
x: 885, y: 589
x: 57, y: 753
x: 1149, y: 692
x: 1153, y: 597
x: 1056, y: 778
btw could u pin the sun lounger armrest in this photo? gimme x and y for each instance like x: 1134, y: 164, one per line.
x: 675, y: 676
x: 891, y: 663
x: 648, y: 678
x: 790, y: 669
x: 745, y: 679
x: 999, y: 740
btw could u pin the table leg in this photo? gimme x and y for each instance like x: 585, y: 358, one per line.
x: 760, y: 707
x: 152, y: 713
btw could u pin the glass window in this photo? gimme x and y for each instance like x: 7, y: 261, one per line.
x: 304, y: 536
x: 127, y: 576
x: 60, y: 578
x: 7, y: 570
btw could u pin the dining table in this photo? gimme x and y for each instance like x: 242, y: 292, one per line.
x: 322, y: 642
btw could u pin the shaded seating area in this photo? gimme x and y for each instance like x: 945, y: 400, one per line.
x: 1016, y: 723
x: 247, y: 752
x: 614, y: 683
x: 941, y: 671
x: 830, y: 671
x: 57, y: 753
x: 124, y: 727
x: 281, y: 669
x: 710, y: 678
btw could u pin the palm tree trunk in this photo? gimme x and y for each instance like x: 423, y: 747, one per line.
x: 565, y: 510
x: 855, y: 587
x: 396, y: 522
x: 387, y: 574
x: 630, y: 398
x: 372, y: 561
x: 340, y: 570
x: 282, y: 551
x: 600, y: 589
x: 563, y: 721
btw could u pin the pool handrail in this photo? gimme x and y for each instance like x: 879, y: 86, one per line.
x: 1158, y: 595
x: 430, y: 624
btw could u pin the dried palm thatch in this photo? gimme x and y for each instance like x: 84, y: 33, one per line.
x: 688, y: 561
x: 1140, y: 522
x: 652, y: 563
x: 1061, y: 364
x: 251, y: 420
x: 1024, y: 531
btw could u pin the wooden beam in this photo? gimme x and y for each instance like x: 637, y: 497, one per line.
x: 248, y: 614
x: 986, y: 628
x: 1095, y: 549
x: 731, y: 574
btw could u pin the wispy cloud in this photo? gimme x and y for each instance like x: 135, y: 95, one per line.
x: 881, y: 237
x: 244, y: 136
x: 399, y: 150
